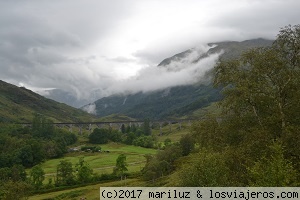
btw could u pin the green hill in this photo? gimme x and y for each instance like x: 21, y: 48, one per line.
x: 18, y: 104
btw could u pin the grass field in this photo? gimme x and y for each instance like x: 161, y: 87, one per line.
x: 101, y: 163
x: 104, y: 163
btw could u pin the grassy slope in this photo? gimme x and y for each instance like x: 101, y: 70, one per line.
x: 19, y: 105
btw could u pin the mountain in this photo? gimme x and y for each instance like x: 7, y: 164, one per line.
x: 159, y: 104
x: 175, y: 102
x: 68, y: 98
x: 231, y: 49
x: 18, y: 104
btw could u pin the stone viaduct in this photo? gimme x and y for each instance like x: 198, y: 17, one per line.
x: 90, y: 126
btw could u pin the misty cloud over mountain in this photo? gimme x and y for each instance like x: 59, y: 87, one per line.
x: 185, y: 71
x: 91, y: 48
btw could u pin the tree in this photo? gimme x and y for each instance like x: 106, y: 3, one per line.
x: 162, y: 164
x: 37, y: 176
x: 155, y: 168
x: 204, y: 169
x: 13, y: 190
x: 42, y: 127
x: 146, y: 127
x: 64, y: 173
x: 121, y: 166
x: 26, y: 156
x: 128, y: 129
x: 130, y: 137
x: 123, y: 128
x: 144, y: 141
x: 5, y: 174
x: 261, y: 86
x: 99, y: 136
x: 84, y: 171
x: 187, y: 144
x: 18, y: 173
x: 273, y: 170
x: 261, y: 105
x: 167, y: 142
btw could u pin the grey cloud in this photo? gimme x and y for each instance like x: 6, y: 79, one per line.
x: 156, y: 53
x: 122, y: 59
x: 258, y: 18
x: 41, y: 42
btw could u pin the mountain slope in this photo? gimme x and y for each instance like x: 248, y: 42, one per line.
x: 159, y: 104
x: 176, y: 101
x: 20, y: 104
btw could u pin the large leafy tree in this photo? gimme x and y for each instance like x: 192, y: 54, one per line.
x: 273, y: 171
x: 261, y: 87
x: 64, y: 175
x: 261, y: 100
x: 121, y: 166
x: 99, y: 136
x: 84, y: 171
x: 42, y: 127
x: 37, y: 176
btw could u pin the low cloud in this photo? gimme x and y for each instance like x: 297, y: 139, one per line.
x: 90, y: 108
x: 184, y: 71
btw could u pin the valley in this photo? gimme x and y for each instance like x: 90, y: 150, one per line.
x: 240, y: 129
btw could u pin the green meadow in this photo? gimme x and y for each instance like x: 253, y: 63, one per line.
x: 103, y: 162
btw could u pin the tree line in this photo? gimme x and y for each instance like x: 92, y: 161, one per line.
x: 25, y: 147
x: 131, y: 135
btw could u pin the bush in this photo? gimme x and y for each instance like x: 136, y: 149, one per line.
x: 144, y: 141
x: 204, y: 169
x: 273, y: 171
x: 99, y: 136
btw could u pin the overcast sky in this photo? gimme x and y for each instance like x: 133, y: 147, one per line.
x: 86, y: 45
